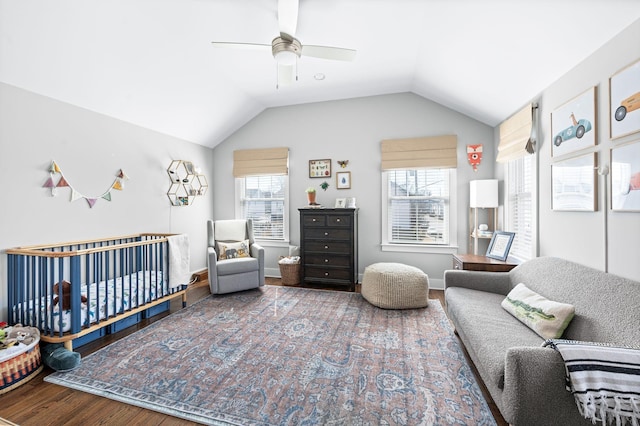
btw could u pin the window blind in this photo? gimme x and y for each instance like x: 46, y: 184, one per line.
x: 268, y: 161
x: 416, y: 153
x: 516, y: 133
x: 263, y: 201
x: 520, y: 187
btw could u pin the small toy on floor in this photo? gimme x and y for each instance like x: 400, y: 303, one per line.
x: 57, y: 357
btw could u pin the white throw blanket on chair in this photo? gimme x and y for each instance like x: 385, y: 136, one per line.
x: 604, y: 380
x: 179, y: 260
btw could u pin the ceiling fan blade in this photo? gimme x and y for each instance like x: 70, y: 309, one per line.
x: 246, y: 46
x: 288, y: 18
x: 286, y: 74
x: 326, y: 52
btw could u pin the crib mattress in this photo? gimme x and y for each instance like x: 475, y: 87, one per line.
x: 104, y: 300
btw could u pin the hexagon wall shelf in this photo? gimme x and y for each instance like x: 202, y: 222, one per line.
x: 186, y: 184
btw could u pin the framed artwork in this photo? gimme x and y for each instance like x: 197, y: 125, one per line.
x: 341, y: 203
x: 319, y: 168
x: 343, y: 180
x: 573, y: 184
x: 500, y: 245
x: 624, y: 101
x: 573, y: 125
x: 625, y: 178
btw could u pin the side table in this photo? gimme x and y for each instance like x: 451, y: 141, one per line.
x: 475, y: 262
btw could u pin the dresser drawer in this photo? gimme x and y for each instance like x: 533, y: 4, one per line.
x: 327, y: 273
x: 328, y: 234
x: 339, y: 220
x: 328, y: 246
x: 314, y: 220
x: 327, y: 260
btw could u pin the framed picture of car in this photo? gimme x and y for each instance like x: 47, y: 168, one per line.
x: 573, y: 124
x: 573, y: 184
x: 624, y: 101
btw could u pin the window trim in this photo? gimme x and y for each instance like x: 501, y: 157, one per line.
x: 239, y: 213
x: 451, y: 248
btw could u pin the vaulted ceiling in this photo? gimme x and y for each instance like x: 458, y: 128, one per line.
x: 151, y: 62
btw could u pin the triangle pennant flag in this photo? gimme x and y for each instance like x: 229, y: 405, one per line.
x: 91, y: 201
x: 75, y: 195
x: 62, y: 182
x: 117, y: 185
x: 123, y: 175
x: 49, y: 183
x: 54, y: 167
x: 107, y: 196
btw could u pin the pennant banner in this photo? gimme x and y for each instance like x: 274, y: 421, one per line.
x: 54, y: 169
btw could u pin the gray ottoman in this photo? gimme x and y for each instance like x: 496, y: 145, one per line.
x: 395, y: 286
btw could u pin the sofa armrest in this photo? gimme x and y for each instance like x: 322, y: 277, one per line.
x: 257, y: 251
x: 493, y: 282
x: 534, y: 389
x: 212, y: 263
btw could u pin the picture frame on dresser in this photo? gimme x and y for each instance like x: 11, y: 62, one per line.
x: 500, y: 245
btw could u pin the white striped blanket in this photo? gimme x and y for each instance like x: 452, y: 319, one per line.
x: 604, y: 380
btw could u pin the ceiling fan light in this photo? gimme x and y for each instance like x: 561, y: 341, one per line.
x: 286, y: 57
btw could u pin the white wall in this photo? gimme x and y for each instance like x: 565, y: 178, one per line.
x: 579, y: 236
x: 90, y: 149
x: 352, y: 130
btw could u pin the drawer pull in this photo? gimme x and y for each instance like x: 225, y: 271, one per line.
x: 313, y: 220
x: 326, y: 233
x: 326, y: 261
x: 337, y: 220
x: 326, y: 274
x: 326, y: 247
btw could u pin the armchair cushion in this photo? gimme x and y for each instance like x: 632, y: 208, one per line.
x: 230, y: 250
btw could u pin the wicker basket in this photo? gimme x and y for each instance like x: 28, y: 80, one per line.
x: 20, y: 368
x: 290, y: 272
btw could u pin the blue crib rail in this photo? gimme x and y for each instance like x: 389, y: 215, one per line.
x: 139, y: 260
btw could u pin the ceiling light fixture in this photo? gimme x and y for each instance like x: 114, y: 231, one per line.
x: 319, y: 76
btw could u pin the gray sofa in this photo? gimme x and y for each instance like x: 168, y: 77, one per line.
x: 526, y: 380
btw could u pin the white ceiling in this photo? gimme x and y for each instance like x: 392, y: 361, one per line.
x: 151, y: 62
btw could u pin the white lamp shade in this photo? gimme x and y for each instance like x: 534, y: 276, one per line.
x: 483, y: 193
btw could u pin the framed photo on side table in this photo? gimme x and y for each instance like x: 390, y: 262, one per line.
x: 500, y: 245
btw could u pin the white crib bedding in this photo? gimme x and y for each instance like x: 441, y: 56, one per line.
x: 128, y: 291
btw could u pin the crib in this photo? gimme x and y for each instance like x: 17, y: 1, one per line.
x: 82, y: 290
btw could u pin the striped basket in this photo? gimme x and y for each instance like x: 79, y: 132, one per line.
x: 20, y: 368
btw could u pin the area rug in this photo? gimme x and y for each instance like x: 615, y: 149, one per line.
x: 291, y: 356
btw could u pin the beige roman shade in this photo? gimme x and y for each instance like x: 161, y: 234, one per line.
x: 268, y: 161
x: 417, y: 153
x: 517, y: 135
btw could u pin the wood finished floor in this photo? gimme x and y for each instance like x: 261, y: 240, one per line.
x: 41, y: 403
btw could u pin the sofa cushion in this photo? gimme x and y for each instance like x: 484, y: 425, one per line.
x: 546, y: 317
x: 237, y: 266
x: 487, y: 331
x: 231, y: 250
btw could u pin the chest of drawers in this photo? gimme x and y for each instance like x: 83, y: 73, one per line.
x: 329, y: 246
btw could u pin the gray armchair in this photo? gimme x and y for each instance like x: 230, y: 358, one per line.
x: 235, y: 261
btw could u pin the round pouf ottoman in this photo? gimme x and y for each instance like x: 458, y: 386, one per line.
x: 395, y: 286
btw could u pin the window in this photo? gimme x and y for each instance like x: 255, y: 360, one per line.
x: 263, y: 199
x: 418, y: 206
x: 520, y: 207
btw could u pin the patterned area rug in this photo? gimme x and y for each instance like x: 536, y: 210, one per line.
x: 290, y: 356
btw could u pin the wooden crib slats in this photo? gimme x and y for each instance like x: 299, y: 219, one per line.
x: 133, y: 269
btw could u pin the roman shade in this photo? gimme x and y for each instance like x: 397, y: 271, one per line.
x: 268, y: 161
x: 517, y: 135
x: 416, y: 153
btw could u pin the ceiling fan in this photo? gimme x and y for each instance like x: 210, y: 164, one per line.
x: 286, y: 48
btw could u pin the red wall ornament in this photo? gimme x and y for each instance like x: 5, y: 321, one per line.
x: 474, y: 155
